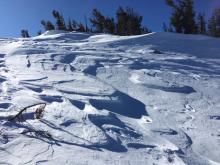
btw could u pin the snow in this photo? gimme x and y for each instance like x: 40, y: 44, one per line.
x: 149, y: 99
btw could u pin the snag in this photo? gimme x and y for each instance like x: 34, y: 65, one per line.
x: 38, y: 113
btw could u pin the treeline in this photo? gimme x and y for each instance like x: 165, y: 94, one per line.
x: 60, y: 24
x: 127, y: 22
x: 185, y: 20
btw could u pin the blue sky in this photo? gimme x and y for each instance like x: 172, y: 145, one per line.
x: 18, y: 14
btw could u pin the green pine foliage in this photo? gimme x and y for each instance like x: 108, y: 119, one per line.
x: 60, y: 23
x: 39, y: 32
x: 97, y: 21
x: 128, y: 22
x: 69, y: 26
x: 47, y: 25
x: 24, y: 33
x: 102, y: 24
x: 183, y: 19
x: 214, y: 24
x: 183, y: 16
x: 201, y: 24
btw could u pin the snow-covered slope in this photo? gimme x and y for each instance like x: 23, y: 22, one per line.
x: 150, y: 99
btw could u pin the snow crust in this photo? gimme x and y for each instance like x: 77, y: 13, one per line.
x: 149, y: 99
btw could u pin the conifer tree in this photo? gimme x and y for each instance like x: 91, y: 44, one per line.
x: 47, y: 25
x: 189, y: 23
x: 81, y: 28
x: 165, y: 28
x: 128, y: 22
x: 74, y: 25
x: 176, y: 19
x: 39, y: 32
x: 24, y: 33
x: 60, y: 23
x: 145, y: 30
x: 170, y: 29
x: 214, y: 24
x: 101, y: 23
x: 134, y: 23
x: 69, y: 26
x: 98, y: 21
x: 44, y: 25
x: 201, y: 24
x: 86, y: 23
x: 121, y: 21
x: 109, y: 25
x: 183, y: 16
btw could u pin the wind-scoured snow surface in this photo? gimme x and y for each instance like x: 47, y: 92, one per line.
x: 150, y: 99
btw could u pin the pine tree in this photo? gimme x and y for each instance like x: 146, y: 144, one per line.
x: 128, y: 22
x: 50, y: 26
x: 74, y: 25
x: 60, y: 23
x: 109, y: 25
x: 134, y: 22
x: 201, y: 24
x: 69, y: 26
x: 98, y: 21
x: 214, y: 24
x: 122, y: 20
x: 39, y: 32
x: 165, y: 28
x: 101, y: 23
x: 183, y: 16
x: 47, y: 25
x: 86, y: 23
x: 176, y: 19
x: 24, y: 33
x: 145, y: 30
x: 44, y: 24
x: 189, y: 23
x: 170, y: 29
x: 81, y: 28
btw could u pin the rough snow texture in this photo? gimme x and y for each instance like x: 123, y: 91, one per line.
x: 150, y: 99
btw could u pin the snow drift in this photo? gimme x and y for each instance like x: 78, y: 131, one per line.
x: 110, y: 100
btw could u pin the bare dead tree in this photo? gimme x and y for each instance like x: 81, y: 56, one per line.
x: 38, y: 113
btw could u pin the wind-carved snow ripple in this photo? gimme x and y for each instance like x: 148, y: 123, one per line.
x: 183, y: 141
x: 121, y: 104
x: 116, y: 131
x: 86, y: 110
x: 4, y: 89
x: 84, y: 88
x: 102, y: 96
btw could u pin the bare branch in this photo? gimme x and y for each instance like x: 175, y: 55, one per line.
x: 38, y: 112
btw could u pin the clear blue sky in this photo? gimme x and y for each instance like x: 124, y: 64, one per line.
x: 18, y: 14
